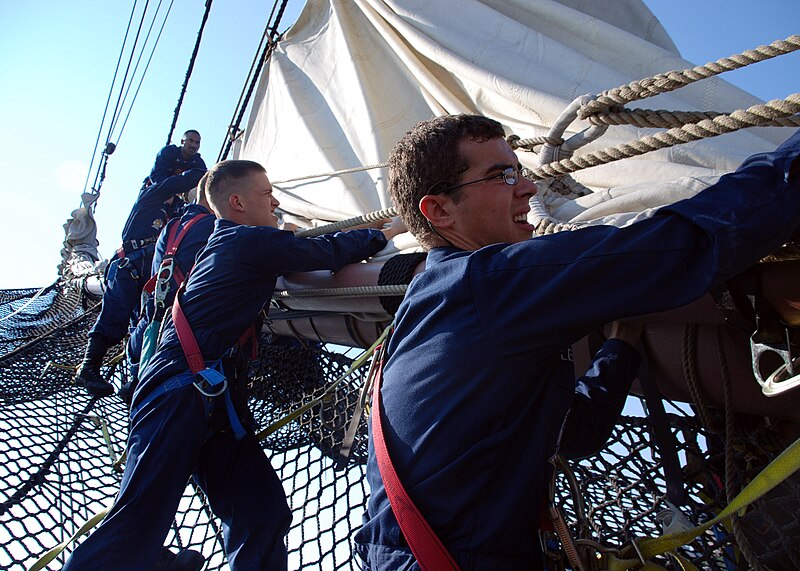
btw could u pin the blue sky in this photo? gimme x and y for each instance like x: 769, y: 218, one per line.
x: 56, y: 65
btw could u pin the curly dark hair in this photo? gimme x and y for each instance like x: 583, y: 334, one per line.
x: 426, y: 158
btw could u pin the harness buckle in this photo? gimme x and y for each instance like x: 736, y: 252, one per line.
x: 165, y: 272
x: 210, y: 382
x: 783, y: 378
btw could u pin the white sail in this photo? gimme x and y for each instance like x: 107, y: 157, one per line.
x: 350, y: 78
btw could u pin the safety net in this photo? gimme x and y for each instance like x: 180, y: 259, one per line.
x: 61, y: 453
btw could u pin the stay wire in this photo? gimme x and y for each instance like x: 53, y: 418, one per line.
x: 147, y: 65
x: 110, y: 92
x: 265, y: 53
x: 115, y: 114
x: 232, y: 128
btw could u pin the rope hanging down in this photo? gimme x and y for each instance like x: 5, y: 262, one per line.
x: 189, y: 71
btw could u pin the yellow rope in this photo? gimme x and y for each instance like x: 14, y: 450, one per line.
x: 43, y: 561
x: 356, y: 364
x: 776, y: 472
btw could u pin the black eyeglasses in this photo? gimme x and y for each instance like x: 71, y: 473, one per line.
x: 510, y: 176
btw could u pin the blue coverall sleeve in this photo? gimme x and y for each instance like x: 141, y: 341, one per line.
x: 283, y: 253
x: 571, y: 282
x: 173, y: 185
x: 165, y: 159
x: 600, y: 395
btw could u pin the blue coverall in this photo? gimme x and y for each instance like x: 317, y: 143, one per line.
x: 181, y: 434
x: 475, y: 389
x: 190, y: 245
x: 170, y: 161
x: 130, y: 269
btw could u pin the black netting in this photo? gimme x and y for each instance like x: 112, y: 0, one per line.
x: 59, y: 448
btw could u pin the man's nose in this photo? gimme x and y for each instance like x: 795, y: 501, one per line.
x: 525, y: 187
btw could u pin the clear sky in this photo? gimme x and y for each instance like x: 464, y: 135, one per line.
x: 57, y: 61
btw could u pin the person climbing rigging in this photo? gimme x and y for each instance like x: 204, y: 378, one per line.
x: 180, y: 241
x: 189, y: 416
x: 127, y: 273
x: 172, y: 160
x: 478, y: 377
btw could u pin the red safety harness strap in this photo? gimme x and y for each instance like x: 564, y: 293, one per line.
x: 191, y: 351
x: 173, y: 242
x: 429, y: 551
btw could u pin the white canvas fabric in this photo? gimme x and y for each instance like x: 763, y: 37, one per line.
x: 351, y: 77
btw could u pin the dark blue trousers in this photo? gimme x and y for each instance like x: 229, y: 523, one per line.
x: 172, y: 438
x: 124, y: 282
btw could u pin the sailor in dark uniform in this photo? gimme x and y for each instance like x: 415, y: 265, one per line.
x: 192, y: 230
x: 172, y: 160
x: 477, y: 390
x: 183, y: 422
x: 128, y: 271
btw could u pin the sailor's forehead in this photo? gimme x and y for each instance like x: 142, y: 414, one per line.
x: 491, y: 153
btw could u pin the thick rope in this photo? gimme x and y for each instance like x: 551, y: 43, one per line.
x: 334, y: 173
x: 755, y: 116
x: 517, y: 143
x: 690, y: 372
x: 672, y: 80
x: 660, y: 118
x: 368, y: 218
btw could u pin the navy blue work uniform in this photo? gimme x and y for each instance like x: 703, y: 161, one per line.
x: 193, y: 241
x: 475, y: 388
x: 130, y: 269
x: 170, y: 161
x: 179, y: 433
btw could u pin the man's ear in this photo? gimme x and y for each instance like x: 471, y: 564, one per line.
x: 436, y: 208
x: 235, y: 202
